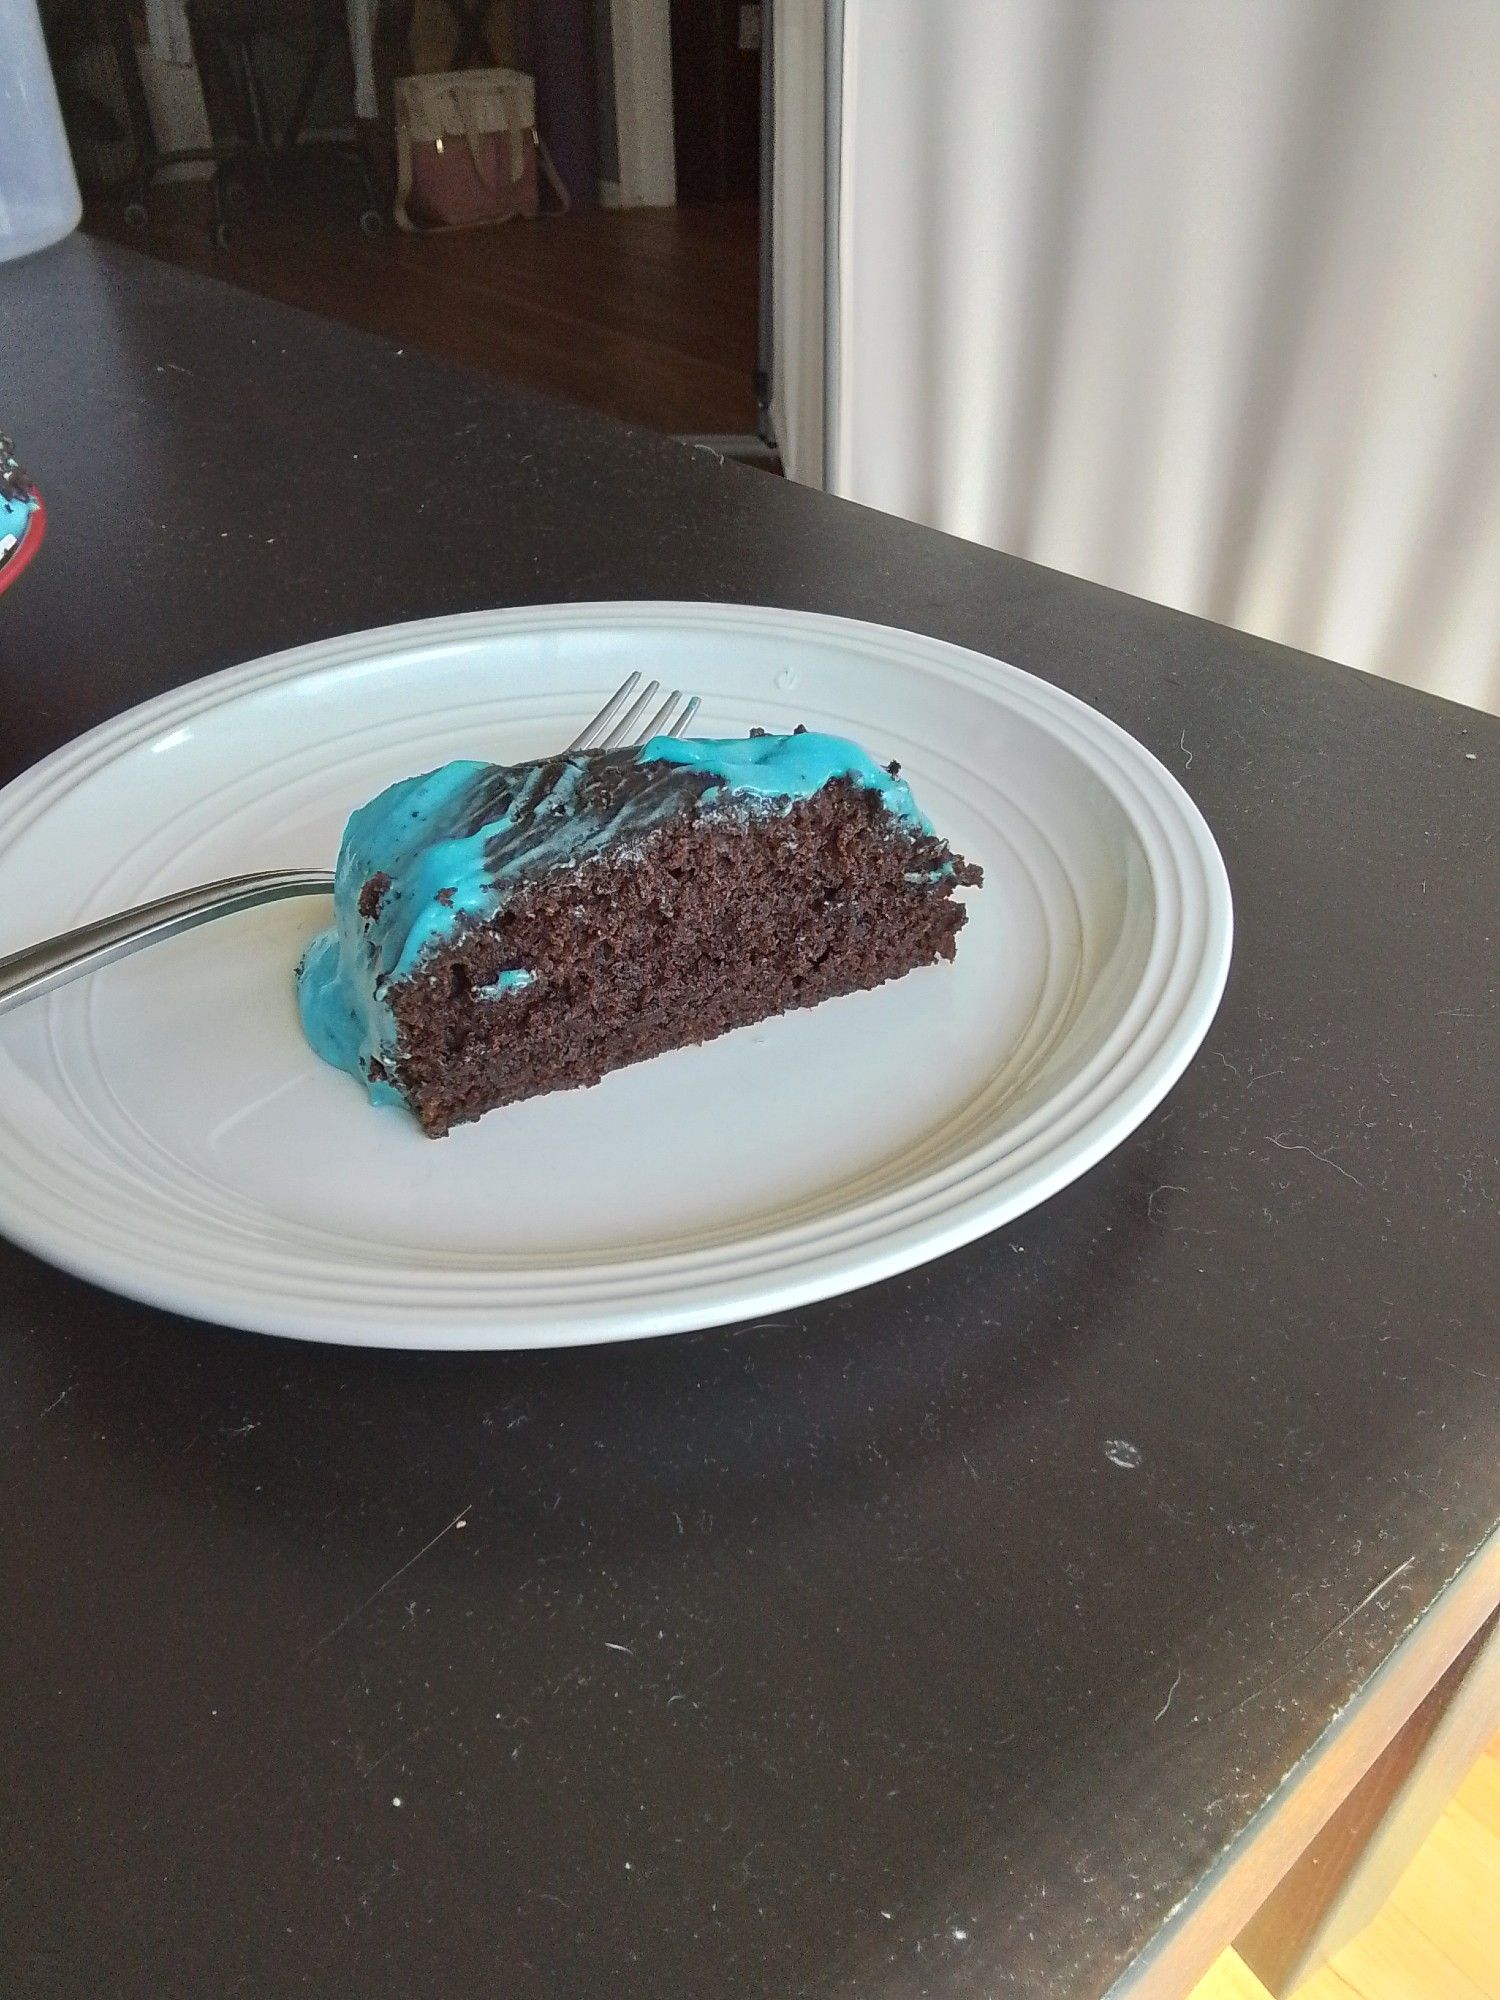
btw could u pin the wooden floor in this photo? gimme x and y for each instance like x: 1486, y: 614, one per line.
x: 1438, y: 1937
x: 646, y: 314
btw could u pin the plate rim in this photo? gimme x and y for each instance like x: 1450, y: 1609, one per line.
x: 1164, y: 1041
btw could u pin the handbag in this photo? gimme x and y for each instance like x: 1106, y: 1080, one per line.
x: 467, y: 150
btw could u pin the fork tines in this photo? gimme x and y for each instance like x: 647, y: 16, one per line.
x: 622, y: 720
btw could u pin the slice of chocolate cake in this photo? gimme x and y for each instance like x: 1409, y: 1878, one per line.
x: 504, y: 930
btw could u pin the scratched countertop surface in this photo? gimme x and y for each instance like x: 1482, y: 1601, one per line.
x: 932, y: 1641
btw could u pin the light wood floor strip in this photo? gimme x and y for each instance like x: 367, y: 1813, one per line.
x: 1438, y: 1938
x: 1395, y: 1957
x: 1231, y: 1979
x: 1481, y: 1792
x: 1451, y: 1892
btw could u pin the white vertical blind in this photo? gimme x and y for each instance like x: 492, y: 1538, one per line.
x: 1199, y: 298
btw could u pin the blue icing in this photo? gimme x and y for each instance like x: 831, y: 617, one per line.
x: 515, y: 979
x: 454, y: 843
x: 331, y: 1020
x: 407, y: 832
x: 787, y: 767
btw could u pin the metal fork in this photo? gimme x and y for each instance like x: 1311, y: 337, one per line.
x: 40, y: 968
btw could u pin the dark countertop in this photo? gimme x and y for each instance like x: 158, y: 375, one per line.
x: 831, y: 1656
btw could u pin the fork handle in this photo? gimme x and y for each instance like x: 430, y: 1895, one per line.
x: 39, y: 968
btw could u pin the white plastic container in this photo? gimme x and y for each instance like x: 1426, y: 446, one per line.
x: 39, y: 199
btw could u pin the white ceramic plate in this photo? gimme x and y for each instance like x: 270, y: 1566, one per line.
x: 165, y: 1130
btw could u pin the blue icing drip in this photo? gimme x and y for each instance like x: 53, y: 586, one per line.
x: 455, y: 842
x: 787, y: 767
x: 331, y: 1018
x: 404, y: 833
x: 515, y: 980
